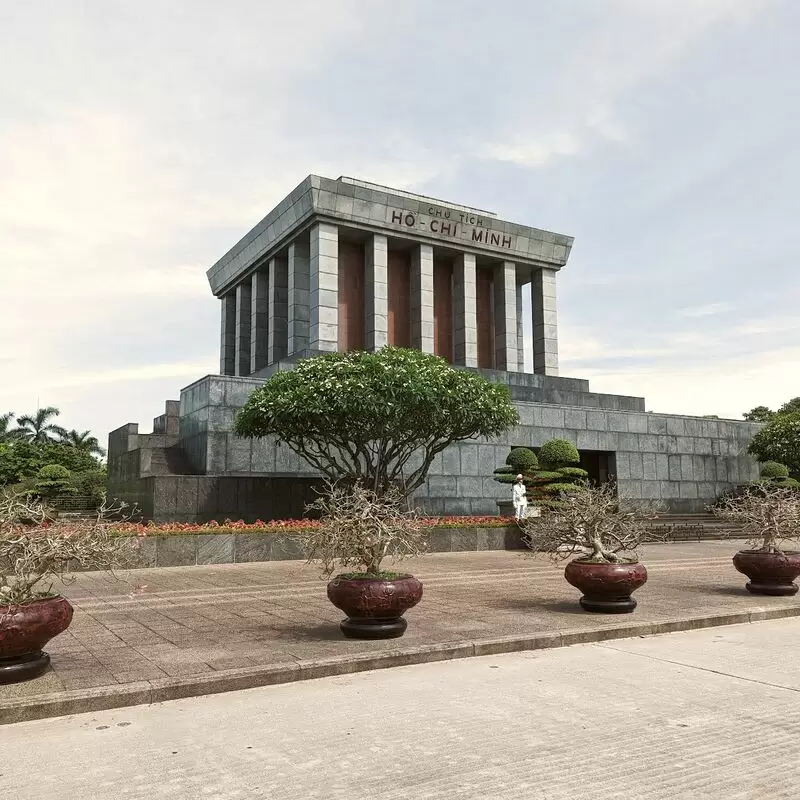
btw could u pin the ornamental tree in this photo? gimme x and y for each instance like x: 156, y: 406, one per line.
x: 779, y: 440
x: 591, y: 523
x: 378, y: 419
x: 768, y: 513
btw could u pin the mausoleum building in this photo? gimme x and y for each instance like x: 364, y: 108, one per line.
x: 344, y: 265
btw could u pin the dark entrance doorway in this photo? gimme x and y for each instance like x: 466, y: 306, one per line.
x: 599, y: 464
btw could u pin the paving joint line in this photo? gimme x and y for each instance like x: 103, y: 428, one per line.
x: 698, y: 667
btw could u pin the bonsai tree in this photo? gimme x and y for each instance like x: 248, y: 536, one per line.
x: 591, y: 523
x: 769, y: 512
x: 779, y: 440
x: 53, y: 480
x: 376, y: 418
x: 36, y: 550
x: 358, y: 528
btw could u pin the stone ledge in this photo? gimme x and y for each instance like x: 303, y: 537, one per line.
x: 162, y: 690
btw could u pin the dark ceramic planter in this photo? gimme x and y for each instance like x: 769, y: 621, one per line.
x: 769, y: 573
x: 24, y: 631
x: 607, y: 588
x: 374, y: 606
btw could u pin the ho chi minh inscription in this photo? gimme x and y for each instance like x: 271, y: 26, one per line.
x: 450, y: 222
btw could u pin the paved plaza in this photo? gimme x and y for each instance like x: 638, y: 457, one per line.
x: 199, y: 630
x: 701, y: 715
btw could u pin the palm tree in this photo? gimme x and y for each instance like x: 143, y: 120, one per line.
x: 84, y: 441
x: 39, y: 428
x: 5, y: 420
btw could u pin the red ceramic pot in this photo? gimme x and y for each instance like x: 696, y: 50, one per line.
x: 607, y: 588
x: 374, y: 606
x: 769, y: 573
x: 24, y: 630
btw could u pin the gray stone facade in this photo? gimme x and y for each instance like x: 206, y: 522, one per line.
x: 683, y: 461
x: 284, y: 294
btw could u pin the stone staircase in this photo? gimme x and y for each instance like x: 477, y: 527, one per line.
x: 169, y: 461
x: 695, y: 527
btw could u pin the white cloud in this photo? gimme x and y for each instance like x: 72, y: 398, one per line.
x: 705, y: 311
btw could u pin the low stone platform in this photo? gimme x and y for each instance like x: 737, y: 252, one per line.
x: 199, y: 630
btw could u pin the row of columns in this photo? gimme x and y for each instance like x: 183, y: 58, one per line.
x: 292, y: 306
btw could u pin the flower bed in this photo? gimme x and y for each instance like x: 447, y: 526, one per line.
x: 283, y: 526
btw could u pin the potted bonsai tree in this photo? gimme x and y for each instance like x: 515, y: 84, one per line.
x: 591, y: 522
x: 770, y: 513
x: 35, y: 551
x: 357, y: 530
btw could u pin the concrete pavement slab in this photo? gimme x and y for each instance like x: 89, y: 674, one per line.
x: 190, y: 630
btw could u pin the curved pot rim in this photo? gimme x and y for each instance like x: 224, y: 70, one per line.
x: 38, y: 600
x: 584, y: 563
x: 402, y: 577
x: 765, y: 553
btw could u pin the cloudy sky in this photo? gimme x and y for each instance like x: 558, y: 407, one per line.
x: 139, y: 141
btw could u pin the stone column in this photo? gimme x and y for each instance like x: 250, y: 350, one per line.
x: 545, y: 323
x: 505, y: 316
x: 520, y: 328
x: 259, y: 321
x: 421, y: 301
x: 243, y: 332
x: 276, y: 338
x: 465, y: 313
x: 323, y: 332
x: 298, y: 284
x: 227, y: 344
x: 376, y: 294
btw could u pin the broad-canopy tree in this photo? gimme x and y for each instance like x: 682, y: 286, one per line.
x: 779, y: 440
x: 376, y: 418
x: 765, y: 414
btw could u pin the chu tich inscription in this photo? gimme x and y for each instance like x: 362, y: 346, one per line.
x: 447, y: 222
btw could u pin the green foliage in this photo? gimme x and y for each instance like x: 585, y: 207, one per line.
x: 773, y: 469
x: 546, y: 475
x: 573, y: 472
x: 558, y: 453
x: 522, y: 459
x: 39, y: 427
x: 779, y: 440
x: 764, y: 414
x: 21, y: 459
x: 90, y: 483
x: 759, y: 414
x: 790, y: 406
x: 789, y: 483
x: 53, y: 480
x: 556, y: 488
x: 367, y: 416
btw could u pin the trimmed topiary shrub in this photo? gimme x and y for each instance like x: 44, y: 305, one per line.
x: 558, y: 453
x: 53, y: 480
x: 573, y: 472
x: 789, y: 483
x: 774, y: 469
x: 522, y: 459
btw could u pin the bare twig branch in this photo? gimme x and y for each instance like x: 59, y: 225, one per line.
x: 769, y: 513
x: 360, y: 526
x: 591, y: 520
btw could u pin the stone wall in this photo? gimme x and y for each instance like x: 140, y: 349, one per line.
x: 686, y: 462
